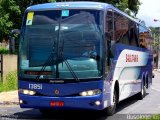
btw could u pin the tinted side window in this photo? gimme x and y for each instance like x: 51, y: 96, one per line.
x: 143, y: 33
x: 109, y: 25
x: 109, y: 33
x: 121, y: 28
x: 145, y: 38
x: 133, y: 34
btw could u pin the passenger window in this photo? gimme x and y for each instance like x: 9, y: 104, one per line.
x: 121, y: 28
x: 133, y: 34
x: 143, y: 33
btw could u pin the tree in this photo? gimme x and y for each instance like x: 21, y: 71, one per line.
x: 8, y: 18
x: 133, y: 5
x: 23, y: 4
x: 128, y: 6
x: 12, y: 13
x: 156, y: 35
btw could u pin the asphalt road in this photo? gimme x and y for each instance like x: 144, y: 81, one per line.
x: 128, y: 109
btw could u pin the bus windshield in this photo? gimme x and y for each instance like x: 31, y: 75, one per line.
x: 61, y: 44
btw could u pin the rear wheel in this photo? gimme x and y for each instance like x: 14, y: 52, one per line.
x: 142, y: 94
x: 111, y: 109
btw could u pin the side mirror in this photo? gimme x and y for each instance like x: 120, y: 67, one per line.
x: 15, y: 31
x: 12, y: 40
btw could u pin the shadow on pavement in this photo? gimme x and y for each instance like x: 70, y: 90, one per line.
x: 127, y: 102
x: 60, y: 115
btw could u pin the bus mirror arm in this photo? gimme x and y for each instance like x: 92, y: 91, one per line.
x: 15, y: 31
x: 109, y: 57
x: 108, y: 39
x: 108, y: 36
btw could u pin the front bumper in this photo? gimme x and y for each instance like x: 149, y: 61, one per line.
x: 79, y: 102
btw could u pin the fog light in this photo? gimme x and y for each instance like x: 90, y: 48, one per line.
x: 97, y: 103
x: 21, y: 101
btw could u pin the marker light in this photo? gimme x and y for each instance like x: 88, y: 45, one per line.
x: 90, y: 92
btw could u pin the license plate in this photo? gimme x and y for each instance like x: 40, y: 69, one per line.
x: 56, y: 103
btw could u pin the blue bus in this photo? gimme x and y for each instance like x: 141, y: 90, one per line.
x: 56, y: 73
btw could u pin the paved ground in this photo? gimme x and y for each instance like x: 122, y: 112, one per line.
x: 156, y: 82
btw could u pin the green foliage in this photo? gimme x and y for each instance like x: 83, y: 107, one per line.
x: 23, y: 4
x: 4, y: 51
x: 10, y: 82
x: 156, y: 35
x: 128, y: 6
x: 133, y: 5
x: 12, y: 13
x: 9, y: 16
x: 123, y: 5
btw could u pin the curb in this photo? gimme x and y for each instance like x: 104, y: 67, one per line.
x: 9, y: 103
x: 157, y: 70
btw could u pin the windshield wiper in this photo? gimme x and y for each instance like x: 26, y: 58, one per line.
x: 48, y: 62
x: 68, y: 65
x: 70, y: 69
x: 50, y: 59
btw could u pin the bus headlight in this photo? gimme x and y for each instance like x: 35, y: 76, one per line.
x: 90, y: 92
x: 27, y: 92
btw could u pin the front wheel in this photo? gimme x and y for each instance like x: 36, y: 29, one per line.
x: 111, y: 109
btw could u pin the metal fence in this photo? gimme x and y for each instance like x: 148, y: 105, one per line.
x: 1, y: 66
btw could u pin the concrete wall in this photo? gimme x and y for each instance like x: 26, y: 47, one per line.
x: 9, y: 64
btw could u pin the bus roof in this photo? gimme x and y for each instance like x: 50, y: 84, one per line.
x: 69, y: 5
x: 79, y: 5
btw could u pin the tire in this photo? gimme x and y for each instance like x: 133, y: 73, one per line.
x: 142, y: 94
x: 111, y: 109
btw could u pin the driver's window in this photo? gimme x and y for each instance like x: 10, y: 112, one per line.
x: 109, y: 33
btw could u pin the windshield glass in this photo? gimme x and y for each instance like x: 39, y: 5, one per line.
x: 61, y: 44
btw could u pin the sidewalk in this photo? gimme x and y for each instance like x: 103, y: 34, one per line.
x: 156, y: 81
x: 9, y: 98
